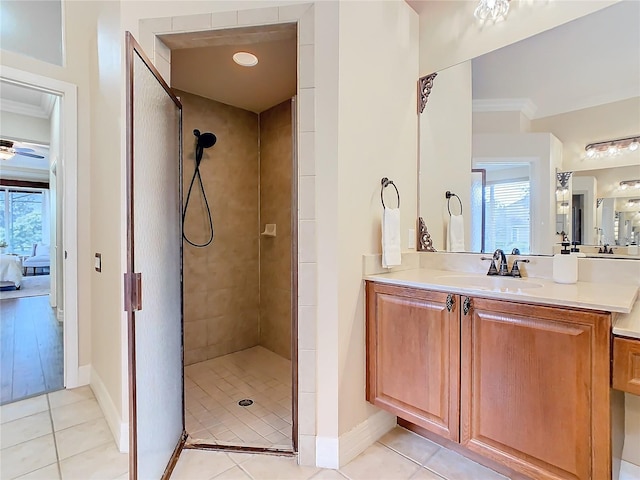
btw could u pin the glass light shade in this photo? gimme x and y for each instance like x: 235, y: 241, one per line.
x: 494, y: 9
x: 245, y: 59
x: 633, y: 146
x: 591, y: 152
x: 612, y: 150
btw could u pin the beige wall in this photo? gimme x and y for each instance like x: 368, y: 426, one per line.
x: 445, y: 151
x: 276, y: 148
x: 93, y: 47
x: 449, y: 33
x: 104, y: 53
x: 221, y: 311
x: 25, y: 128
x: 377, y: 137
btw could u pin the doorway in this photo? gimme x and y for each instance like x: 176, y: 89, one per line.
x: 239, y: 286
x: 54, y: 252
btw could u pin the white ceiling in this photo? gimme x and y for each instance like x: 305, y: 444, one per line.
x: 25, y: 101
x: 208, y: 69
x: 31, y: 103
x: 590, y: 61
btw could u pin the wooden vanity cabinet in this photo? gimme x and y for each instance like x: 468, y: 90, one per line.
x: 524, y: 386
x: 413, y: 356
x: 626, y: 365
x: 535, y: 388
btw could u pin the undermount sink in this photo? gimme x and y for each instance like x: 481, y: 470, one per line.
x: 489, y: 282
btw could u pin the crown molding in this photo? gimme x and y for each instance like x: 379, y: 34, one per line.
x: 24, y: 173
x: 522, y: 105
x: 20, y: 108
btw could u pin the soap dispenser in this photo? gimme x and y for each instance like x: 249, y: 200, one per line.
x: 565, y: 265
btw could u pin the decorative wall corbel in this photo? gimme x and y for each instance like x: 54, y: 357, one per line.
x: 425, y: 84
x: 425, y: 242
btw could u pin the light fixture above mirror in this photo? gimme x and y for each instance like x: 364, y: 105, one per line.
x: 611, y: 148
x: 629, y: 184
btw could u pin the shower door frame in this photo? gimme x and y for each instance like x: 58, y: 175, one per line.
x: 132, y: 280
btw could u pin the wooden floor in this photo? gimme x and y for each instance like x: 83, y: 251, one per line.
x: 31, y: 361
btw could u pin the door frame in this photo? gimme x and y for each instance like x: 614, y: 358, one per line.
x: 68, y: 166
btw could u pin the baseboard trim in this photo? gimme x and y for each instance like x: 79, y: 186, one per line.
x: 84, y: 375
x: 119, y: 429
x: 358, y: 439
x: 327, y: 452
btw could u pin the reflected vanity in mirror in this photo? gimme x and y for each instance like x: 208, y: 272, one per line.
x: 502, y: 128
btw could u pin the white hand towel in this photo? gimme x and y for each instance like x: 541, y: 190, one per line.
x: 455, y: 235
x: 391, y: 245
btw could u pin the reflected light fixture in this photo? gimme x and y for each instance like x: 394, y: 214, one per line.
x: 491, y: 9
x: 245, y: 59
x: 563, y: 180
x: 611, y: 148
x: 629, y: 184
x: 633, y: 202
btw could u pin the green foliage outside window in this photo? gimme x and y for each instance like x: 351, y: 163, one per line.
x: 20, y: 220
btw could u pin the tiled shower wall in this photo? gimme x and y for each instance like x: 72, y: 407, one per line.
x: 231, y: 304
x: 276, y: 161
x: 221, y: 280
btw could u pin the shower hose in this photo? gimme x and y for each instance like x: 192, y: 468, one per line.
x: 196, y: 174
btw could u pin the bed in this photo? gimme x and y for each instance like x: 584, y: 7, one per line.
x: 10, y: 272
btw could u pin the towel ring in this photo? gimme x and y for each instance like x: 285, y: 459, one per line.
x: 385, y: 182
x: 448, y: 195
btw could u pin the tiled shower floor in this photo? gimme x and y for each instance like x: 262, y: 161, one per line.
x: 214, y: 387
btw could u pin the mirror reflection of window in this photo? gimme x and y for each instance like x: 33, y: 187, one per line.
x: 507, y: 208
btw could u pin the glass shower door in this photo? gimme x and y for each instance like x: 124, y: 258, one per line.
x: 153, y: 282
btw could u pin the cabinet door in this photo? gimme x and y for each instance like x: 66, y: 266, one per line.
x: 535, y: 389
x: 413, y: 356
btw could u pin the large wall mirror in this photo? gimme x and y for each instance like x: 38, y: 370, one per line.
x: 498, y: 129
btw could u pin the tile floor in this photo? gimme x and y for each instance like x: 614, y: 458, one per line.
x: 399, y: 455
x: 214, y: 387
x: 63, y: 435
x: 59, y: 435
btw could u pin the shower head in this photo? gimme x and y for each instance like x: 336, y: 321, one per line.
x: 205, y: 140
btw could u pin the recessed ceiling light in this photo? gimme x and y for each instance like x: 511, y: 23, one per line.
x: 245, y: 59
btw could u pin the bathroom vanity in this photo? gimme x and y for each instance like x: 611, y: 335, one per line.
x: 514, y: 373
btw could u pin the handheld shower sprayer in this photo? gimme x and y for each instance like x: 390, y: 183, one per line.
x: 203, y: 140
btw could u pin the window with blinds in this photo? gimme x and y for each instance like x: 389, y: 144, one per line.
x: 507, y: 215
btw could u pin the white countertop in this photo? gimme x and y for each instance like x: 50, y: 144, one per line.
x: 610, y: 297
x: 628, y: 324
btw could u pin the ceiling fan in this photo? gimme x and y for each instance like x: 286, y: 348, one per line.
x: 9, y: 148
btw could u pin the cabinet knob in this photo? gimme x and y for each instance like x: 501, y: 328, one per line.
x: 466, y: 305
x: 450, y: 302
